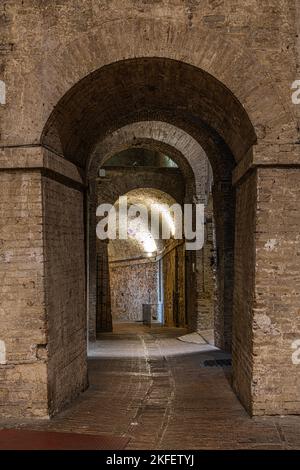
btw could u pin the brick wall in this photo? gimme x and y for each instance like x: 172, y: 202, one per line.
x: 130, y: 284
x: 224, y: 217
x: 23, y: 372
x: 65, y: 291
x: 205, y: 275
x: 242, y: 353
x: 266, y: 302
x: 276, y: 313
x: 174, y: 287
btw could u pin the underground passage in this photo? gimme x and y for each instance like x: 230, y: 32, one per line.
x: 149, y: 236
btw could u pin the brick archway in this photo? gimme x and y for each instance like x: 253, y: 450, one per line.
x: 230, y: 62
x: 225, y: 137
x: 204, y: 311
x: 107, y: 190
x: 68, y: 94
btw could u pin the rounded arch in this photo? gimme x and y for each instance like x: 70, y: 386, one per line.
x: 201, y: 91
x: 231, y: 63
x: 192, y: 160
x: 136, y: 89
x: 121, y: 182
x: 161, y: 136
x: 151, y: 198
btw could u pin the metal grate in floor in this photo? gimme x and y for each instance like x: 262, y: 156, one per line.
x: 217, y: 363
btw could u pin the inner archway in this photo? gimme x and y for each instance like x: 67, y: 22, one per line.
x: 165, y: 89
x: 137, y: 169
x: 147, y: 272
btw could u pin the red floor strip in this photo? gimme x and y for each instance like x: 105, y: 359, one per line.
x: 12, y: 439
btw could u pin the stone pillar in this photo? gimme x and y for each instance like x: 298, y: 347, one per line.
x: 266, y: 327
x: 191, y: 289
x: 205, y: 275
x: 92, y: 260
x: 42, y: 283
x: 224, y: 215
x: 65, y: 289
x: 23, y: 330
x: 103, y: 301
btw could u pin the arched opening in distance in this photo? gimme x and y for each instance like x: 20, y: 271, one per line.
x: 146, y: 271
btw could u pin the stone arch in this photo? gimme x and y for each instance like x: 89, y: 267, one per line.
x: 184, y: 149
x: 139, y: 195
x: 169, y: 91
x: 145, y: 88
x: 243, y: 72
x: 229, y: 62
x: 194, y: 165
x: 128, y: 256
x: 191, y: 158
x: 108, y: 190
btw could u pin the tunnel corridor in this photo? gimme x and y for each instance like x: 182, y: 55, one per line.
x: 163, y: 102
x: 159, y: 392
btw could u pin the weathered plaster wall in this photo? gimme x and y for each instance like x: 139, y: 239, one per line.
x: 130, y: 286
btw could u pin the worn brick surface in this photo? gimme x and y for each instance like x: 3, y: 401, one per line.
x: 221, y: 72
x: 64, y: 260
x: 276, y: 321
x: 236, y: 43
x: 23, y: 374
x: 154, y: 390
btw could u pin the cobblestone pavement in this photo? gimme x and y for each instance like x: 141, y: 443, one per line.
x: 153, y: 388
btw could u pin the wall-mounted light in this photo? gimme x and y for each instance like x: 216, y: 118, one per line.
x: 102, y: 173
x: 2, y: 92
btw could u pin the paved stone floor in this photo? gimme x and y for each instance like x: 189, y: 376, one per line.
x: 147, y: 385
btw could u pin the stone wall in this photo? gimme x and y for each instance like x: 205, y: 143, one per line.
x: 224, y: 218
x: 266, y: 309
x: 242, y: 354
x: 130, y: 286
x: 174, y: 286
x: 42, y: 274
x: 23, y: 369
x: 65, y: 286
x: 136, y: 282
x: 205, y: 274
x: 236, y: 42
x: 74, y: 74
x: 276, y: 313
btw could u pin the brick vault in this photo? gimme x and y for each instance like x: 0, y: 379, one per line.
x: 83, y: 83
